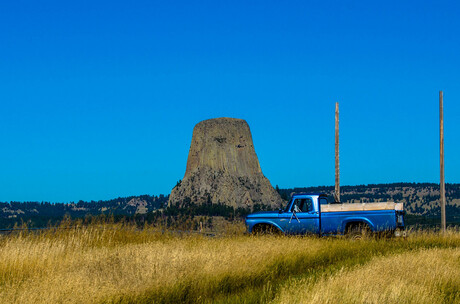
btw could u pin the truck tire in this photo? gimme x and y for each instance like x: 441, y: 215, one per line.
x: 358, y: 231
x: 265, y: 230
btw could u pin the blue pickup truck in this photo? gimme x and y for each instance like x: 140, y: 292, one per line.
x: 313, y: 214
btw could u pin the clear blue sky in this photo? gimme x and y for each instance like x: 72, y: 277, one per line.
x: 98, y: 99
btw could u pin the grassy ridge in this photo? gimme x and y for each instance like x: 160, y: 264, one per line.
x: 118, y: 264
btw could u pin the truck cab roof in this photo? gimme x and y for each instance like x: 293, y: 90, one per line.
x: 309, y: 193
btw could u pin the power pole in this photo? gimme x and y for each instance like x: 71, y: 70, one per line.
x: 337, y: 163
x: 441, y: 148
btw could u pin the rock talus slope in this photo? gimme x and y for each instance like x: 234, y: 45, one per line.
x: 222, y: 167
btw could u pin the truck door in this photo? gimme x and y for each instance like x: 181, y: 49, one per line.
x: 303, y: 217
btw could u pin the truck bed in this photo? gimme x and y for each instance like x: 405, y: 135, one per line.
x: 362, y: 207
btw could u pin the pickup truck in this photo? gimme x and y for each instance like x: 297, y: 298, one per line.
x: 313, y: 214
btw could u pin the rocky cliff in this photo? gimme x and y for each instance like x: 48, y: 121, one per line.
x: 222, y: 167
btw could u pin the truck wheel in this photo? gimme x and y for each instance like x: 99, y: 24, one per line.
x: 265, y: 230
x: 358, y: 231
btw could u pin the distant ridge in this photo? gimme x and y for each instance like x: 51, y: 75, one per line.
x: 418, y: 198
x: 42, y: 212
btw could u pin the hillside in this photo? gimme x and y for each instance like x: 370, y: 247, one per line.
x: 420, y: 199
x: 39, y: 214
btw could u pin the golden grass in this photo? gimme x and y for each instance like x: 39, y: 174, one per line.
x: 117, y: 264
x: 427, y: 276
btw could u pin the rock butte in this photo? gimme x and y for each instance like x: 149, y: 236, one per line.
x: 222, y: 167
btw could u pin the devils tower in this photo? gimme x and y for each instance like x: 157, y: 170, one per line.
x: 222, y: 167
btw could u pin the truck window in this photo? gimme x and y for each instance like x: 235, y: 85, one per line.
x: 303, y: 204
x: 308, y: 205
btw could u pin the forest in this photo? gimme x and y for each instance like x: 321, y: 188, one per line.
x: 421, y: 201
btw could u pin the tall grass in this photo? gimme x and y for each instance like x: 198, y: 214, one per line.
x: 425, y: 276
x: 118, y: 264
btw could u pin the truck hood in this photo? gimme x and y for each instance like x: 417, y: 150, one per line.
x: 263, y: 214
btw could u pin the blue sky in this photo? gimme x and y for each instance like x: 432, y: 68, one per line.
x: 98, y: 99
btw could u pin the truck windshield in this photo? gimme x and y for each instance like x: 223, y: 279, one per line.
x: 288, y: 204
x: 303, y: 204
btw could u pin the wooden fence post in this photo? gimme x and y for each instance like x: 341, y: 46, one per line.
x: 441, y: 155
x: 337, y: 163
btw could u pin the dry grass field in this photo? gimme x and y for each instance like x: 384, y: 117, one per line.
x: 118, y: 264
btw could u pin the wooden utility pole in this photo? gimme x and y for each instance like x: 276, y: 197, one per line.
x: 441, y: 148
x: 337, y: 163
